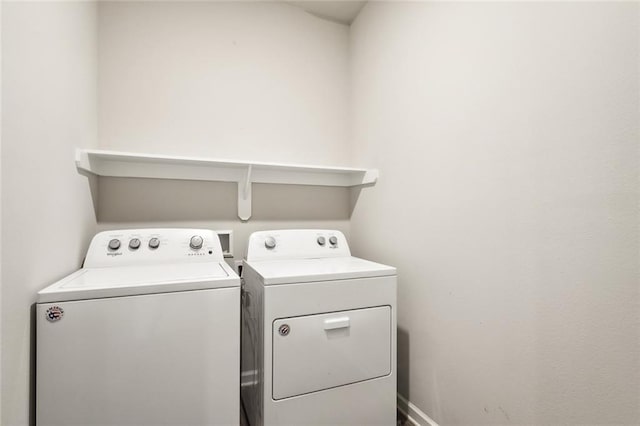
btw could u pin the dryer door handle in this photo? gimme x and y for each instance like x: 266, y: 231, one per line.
x: 333, y: 323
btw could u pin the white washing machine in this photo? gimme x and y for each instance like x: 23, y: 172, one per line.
x: 147, y: 333
x: 319, y: 332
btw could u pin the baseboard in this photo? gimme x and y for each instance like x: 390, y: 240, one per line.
x: 415, y: 416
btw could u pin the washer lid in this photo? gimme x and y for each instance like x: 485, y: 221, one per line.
x: 310, y: 270
x: 93, y: 283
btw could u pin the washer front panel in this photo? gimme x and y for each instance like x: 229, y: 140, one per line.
x: 161, y: 359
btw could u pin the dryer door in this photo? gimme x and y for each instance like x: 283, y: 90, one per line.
x: 316, y: 352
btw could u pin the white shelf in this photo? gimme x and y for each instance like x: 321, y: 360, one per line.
x: 244, y: 173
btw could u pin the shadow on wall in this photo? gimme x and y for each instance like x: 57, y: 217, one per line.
x: 403, y: 363
x: 32, y: 367
x: 92, y: 181
x: 163, y: 200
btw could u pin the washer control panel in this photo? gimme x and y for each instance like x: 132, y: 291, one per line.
x: 297, y: 244
x: 153, y: 246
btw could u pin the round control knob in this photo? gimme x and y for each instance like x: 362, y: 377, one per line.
x: 134, y: 244
x: 154, y: 243
x: 196, y: 242
x: 114, y: 244
x: 270, y: 243
x: 333, y: 240
x: 322, y: 241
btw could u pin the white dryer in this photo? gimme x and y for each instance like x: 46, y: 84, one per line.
x: 147, y: 333
x: 319, y: 332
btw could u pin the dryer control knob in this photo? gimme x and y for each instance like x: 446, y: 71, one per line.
x: 134, y: 244
x: 154, y: 243
x: 322, y: 241
x: 270, y: 243
x: 333, y: 240
x: 114, y: 244
x: 196, y: 242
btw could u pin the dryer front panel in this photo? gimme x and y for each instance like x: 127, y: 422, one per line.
x: 316, y: 352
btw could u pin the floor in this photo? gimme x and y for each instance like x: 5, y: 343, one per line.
x: 243, y: 418
x: 402, y: 420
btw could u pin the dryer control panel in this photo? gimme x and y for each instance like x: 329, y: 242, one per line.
x: 153, y: 246
x: 297, y: 244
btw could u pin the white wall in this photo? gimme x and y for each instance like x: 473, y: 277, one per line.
x: 48, y: 109
x: 507, y: 139
x: 242, y: 80
x: 238, y: 80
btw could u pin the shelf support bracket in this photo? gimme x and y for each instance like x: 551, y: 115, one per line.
x: 244, y: 196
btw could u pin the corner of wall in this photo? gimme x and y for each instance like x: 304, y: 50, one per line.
x: 1, y: 207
